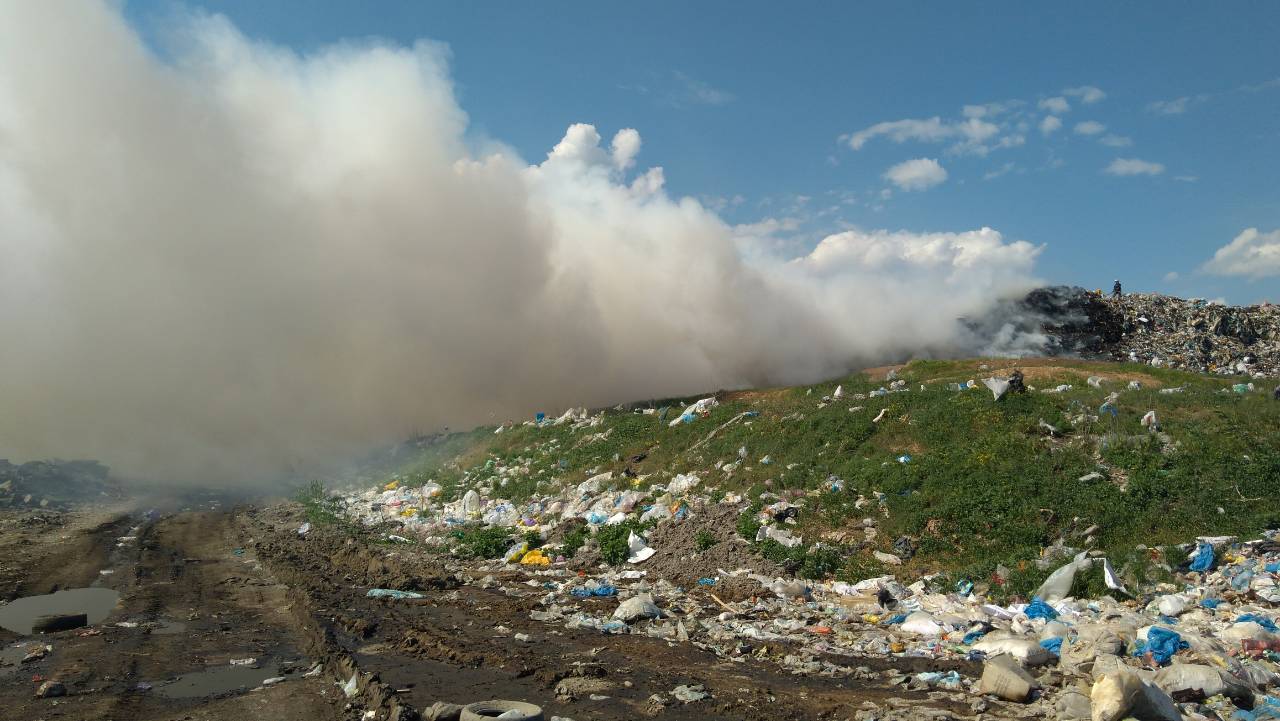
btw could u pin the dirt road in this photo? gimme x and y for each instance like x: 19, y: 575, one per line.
x: 188, y: 606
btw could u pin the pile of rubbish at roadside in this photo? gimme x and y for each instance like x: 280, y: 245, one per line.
x: 1160, y: 330
x: 53, y: 484
x: 1206, y: 646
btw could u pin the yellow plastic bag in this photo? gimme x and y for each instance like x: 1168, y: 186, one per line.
x: 392, y: 485
x: 535, y: 558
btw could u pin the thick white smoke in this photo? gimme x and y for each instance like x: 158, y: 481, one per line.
x: 237, y: 260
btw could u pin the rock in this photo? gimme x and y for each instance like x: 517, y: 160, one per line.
x: 51, y: 689
x: 59, y: 622
x: 689, y: 694
x: 1002, y: 676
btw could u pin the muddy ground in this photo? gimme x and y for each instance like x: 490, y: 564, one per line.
x: 200, y: 588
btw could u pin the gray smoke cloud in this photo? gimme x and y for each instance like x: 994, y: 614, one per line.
x: 235, y: 260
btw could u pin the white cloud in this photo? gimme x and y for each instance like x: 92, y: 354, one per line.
x: 1133, y: 166
x: 1087, y: 94
x: 1002, y: 170
x: 900, y: 131
x: 626, y: 144
x: 1057, y: 104
x: 1050, y: 124
x: 1090, y: 127
x: 696, y: 91
x: 1186, y: 178
x: 954, y: 254
x: 1177, y: 106
x: 1251, y: 255
x: 1171, y: 276
x: 917, y: 174
x: 991, y: 110
x: 1116, y: 141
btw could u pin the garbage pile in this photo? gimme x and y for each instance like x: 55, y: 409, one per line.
x: 1206, y: 644
x: 1160, y: 330
x: 53, y: 484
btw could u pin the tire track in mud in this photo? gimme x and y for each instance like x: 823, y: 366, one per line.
x: 181, y: 568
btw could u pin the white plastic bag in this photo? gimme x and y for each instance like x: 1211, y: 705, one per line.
x: 1058, y: 585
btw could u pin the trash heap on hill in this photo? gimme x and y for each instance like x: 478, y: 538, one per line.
x: 1203, y: 645
x: 1159, y: 330
x: 1197, y: 335
x: 1206, y: 645
x: 53, y: 484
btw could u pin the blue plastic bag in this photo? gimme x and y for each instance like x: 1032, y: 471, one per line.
x: 1210, y: 602
x: 1040, y: 609
x: 1052, y: 645
x: 1161, y: 643
x: 1203, y: 559
x: 1262, y: 621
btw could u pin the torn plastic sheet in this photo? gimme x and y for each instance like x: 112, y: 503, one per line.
x: 640, y: 550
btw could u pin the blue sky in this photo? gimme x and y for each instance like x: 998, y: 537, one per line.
x: 1165, y: 148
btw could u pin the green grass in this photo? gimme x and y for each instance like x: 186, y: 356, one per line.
x: 985, y: 485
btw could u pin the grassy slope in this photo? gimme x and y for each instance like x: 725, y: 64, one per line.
x: 985, y: 484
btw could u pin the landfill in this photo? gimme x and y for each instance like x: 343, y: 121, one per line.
x: 1202, y: 645
x: 1158, y: 330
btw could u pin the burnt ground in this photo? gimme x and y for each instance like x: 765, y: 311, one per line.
x: 242, y: 583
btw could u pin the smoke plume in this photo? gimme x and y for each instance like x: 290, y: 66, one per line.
x: 232, y: 259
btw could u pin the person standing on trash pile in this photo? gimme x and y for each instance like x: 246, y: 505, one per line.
x: 1116, y: 292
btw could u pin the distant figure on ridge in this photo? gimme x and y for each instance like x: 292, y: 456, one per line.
x: 1115, y: 290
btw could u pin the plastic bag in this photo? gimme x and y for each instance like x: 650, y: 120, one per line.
x: 1058, y: 585
x: 1161, y: 643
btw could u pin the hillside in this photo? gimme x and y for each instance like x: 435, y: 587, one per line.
x: 900, y: 464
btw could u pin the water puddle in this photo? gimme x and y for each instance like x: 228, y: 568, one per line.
x: 96, y: 602
x: 218, y: 680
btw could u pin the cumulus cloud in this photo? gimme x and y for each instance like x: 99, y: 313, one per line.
x: 917, y: 174
x: 1087, y: 94
x: 1050, y: 124
x: 625, y: 145
x: 1112, y: 140
x: 1252, y: 254
x: 1171, y: 276
x: 1133, y: 166
x: 1089, y: 127
x: 235, y: 261
x: 1057, y: 105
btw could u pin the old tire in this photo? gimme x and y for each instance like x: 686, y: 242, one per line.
x: 485, y: 710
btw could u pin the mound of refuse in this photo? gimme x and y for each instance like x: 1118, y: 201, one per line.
x: 55, y: 484
x: 1160, y: 330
